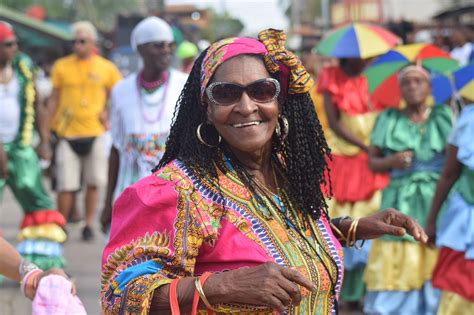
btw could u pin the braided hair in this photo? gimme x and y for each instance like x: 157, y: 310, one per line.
x: 301, y: 156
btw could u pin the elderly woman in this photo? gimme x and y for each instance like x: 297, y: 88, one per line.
x: 233, y: 218
x: 410, y: 143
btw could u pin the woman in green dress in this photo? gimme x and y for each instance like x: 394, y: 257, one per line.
x: 410, y: 143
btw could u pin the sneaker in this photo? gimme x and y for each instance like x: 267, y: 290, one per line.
x: 87, y: 233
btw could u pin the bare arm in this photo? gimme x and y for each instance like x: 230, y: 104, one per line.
x: 334, y: 123
x: 380, y: 163
x: 451, y: 172
x: 114, y: 163
x: 266, y: 285
x: 9, y: 261
x: 53, y: 102
x: 42, y: 123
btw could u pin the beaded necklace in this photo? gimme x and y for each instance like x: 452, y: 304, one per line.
x: 160, y: 103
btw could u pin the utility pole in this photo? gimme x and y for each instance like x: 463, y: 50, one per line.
x: 295, y: 13
x: 326, y: 13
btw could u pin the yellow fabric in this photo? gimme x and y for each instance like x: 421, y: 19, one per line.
x: 468, y: 91
x: 83, y: 87
x: 359, y: 125
x: 365, y: 37
x: 410, y: 51
x: 318, y: 101
x: 355, y: 209
x: 48, y: 231
x: 399, y: 266
x: 454, y: 304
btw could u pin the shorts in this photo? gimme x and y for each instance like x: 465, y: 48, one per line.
x: 73, y: 170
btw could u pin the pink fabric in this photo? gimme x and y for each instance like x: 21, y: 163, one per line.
x: 224, y: 50
x: 232, y: 250
x: 54, y: 296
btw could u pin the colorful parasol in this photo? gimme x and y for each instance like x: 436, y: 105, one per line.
x: 459, y: 82
x: 357, y: 40
x: 382, y: 75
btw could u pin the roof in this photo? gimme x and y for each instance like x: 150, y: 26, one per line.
x: 26, y: 22
x: 454, y: 12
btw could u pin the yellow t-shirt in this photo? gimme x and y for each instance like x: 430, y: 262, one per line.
x: 83, y: 88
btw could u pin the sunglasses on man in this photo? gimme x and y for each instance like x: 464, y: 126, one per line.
x: 10, y: 44
x: 79, y: 41
x: 162, y: 45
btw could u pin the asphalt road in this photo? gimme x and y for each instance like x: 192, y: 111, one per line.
x: 83, y: 263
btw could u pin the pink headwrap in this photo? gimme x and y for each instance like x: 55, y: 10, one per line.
x: 417, y: 68
x: 270, y: 45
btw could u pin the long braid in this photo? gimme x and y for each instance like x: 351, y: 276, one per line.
x: 303, y: 154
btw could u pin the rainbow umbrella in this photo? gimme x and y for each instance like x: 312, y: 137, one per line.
x: 382, y: 75
x: 357, y: 40
x: 460, y: 81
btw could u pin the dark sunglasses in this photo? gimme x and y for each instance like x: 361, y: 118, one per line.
x: 81, y: 41
x: 162, y: 45
x: 10, y: 44
x: 261, y: 91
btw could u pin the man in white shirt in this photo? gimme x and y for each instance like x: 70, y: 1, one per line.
x: 142, y: 108
x: 463, y: 49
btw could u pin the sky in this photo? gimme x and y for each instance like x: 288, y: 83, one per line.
x: 256, y: 15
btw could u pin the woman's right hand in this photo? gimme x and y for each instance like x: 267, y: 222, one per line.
x: 269, y: 285
x: 402, y: 160
x: 3, y: 163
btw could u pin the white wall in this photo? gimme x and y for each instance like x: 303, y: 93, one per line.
x: 413, y: 10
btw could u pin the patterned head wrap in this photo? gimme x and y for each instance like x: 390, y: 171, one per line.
x: 270, y: 45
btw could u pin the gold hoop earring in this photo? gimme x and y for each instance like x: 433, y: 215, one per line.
x: 198, y: 134
x: 282, y: 131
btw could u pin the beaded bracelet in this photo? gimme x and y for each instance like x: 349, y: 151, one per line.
x: 29, y: 282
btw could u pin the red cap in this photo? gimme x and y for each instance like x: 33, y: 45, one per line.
x: 6, y: 32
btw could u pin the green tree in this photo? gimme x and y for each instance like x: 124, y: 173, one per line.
x: 102, y: 13
x: 222, y: 26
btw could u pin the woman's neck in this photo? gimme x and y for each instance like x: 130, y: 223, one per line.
x: 258, y: 164
x: 418, y: 112
x: 149, y: 74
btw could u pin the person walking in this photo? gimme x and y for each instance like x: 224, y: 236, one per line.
x: 81, y: 85
x: 142, y: 107
x: 41, y: 231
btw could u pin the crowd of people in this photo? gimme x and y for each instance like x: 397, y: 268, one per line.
x: 248, y: 181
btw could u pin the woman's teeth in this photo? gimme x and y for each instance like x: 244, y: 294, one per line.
x: 247, y: 124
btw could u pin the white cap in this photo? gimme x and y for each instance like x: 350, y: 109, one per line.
x: 151, y: 29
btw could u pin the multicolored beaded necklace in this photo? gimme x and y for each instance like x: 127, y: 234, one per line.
x: 149, y: 88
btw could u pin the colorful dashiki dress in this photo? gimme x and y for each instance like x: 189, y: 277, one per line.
x: 171, y: 224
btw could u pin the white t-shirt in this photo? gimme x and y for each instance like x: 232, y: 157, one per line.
x: 140, y: 125
x: 463, y: 53
x: 10, y: 110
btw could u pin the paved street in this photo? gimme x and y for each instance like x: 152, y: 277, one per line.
x: 83, y: 263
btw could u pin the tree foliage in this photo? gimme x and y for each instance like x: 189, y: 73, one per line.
x: 102, y: 13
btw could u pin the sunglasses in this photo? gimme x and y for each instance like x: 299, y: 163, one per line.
x: 10, y: 44
x: 261, y: 91
x: 80, y: 41
x: 162, y: 45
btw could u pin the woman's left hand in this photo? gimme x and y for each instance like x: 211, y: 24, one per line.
x: 54, y: 271
x: 391, y: 222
